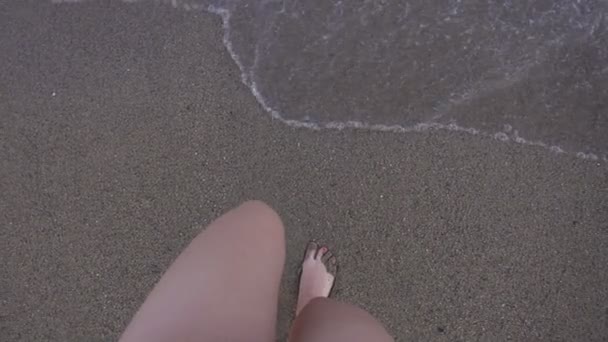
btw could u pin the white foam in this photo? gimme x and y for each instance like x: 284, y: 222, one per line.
x: 66, y: 1
x: 591, y: 156
x: 248, y: 79
x: 501, y: 136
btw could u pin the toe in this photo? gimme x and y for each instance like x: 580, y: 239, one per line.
x: 321, y: 252
x: 332, y: 265
x: 311, y: 250
x: 328, y: 255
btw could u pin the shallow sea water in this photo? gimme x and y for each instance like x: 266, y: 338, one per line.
x: 530, y: 72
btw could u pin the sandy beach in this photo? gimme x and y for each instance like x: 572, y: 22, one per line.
x: 125, y: 129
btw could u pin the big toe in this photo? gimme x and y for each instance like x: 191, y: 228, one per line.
x: 311, y: 250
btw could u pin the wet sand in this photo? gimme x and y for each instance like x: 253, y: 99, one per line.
x: 125, y: 128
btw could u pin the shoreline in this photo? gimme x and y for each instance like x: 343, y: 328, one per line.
x: 150, y: 135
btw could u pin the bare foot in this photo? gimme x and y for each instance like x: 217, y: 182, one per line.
x: 318, y: 274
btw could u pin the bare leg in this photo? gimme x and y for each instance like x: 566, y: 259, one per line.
x: 223, y: 287
x: 320, y: 319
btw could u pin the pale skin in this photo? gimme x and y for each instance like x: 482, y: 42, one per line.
x: 317, y: 279
x: 224, y: 287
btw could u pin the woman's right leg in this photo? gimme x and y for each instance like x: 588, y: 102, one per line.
x: 320, y: 319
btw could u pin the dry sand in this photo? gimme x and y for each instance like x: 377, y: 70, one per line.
x: 125, y: 128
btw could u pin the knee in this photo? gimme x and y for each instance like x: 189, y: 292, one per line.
x: 331, y: 310
x: 264, y: 216
x: 324, y: 319
x: 258, y: 206
x: 318, y: 304
x: 320, y: 308
x: 328, y: 307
